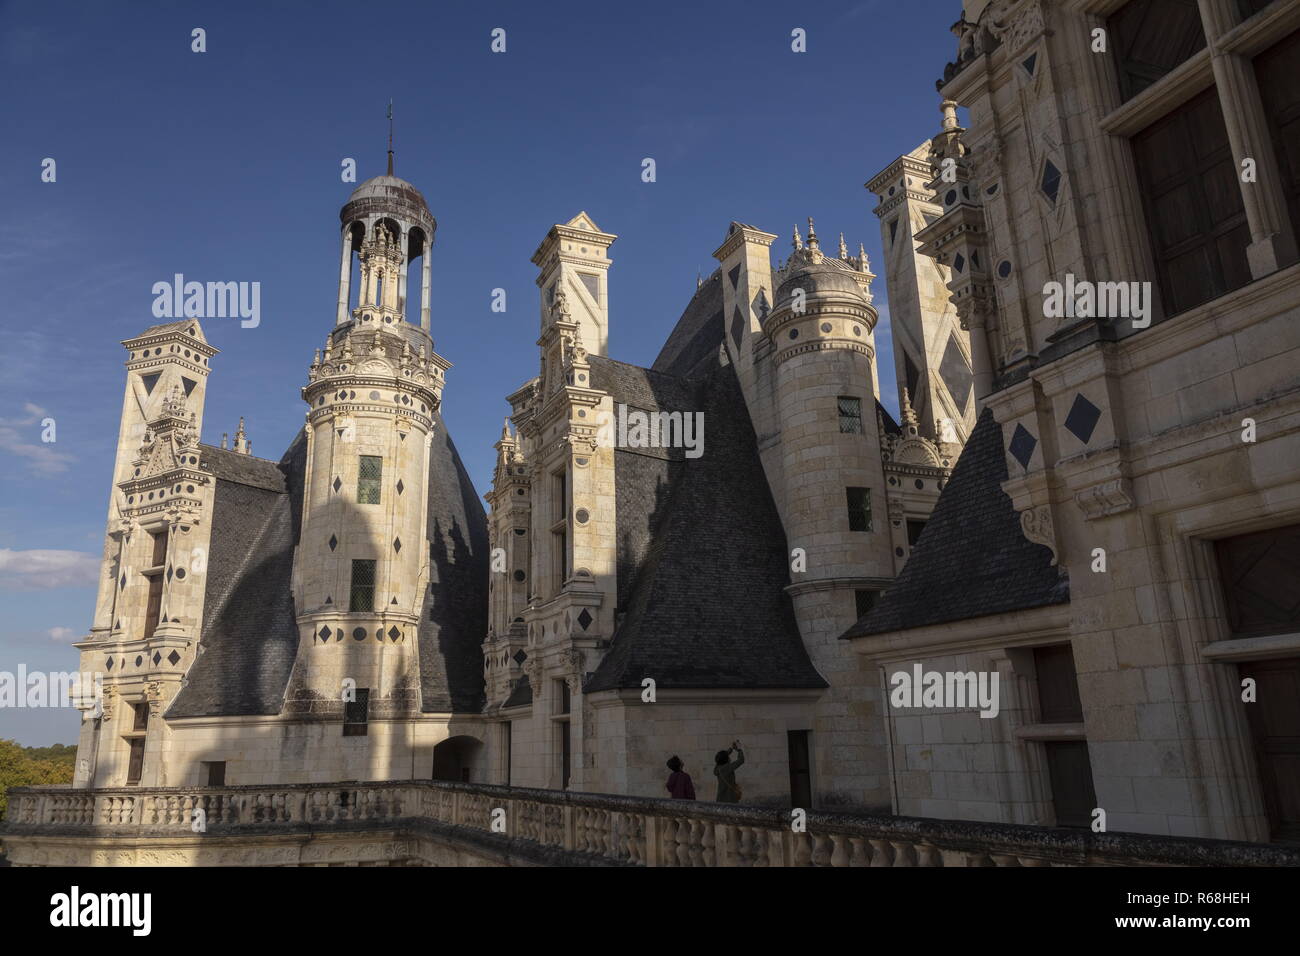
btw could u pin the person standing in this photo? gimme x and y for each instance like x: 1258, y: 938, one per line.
x: 680, y: 786
x: 725, y: 770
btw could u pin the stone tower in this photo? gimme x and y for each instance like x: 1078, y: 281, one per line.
x: 931, y: 350
x: 147, y: 614
x: 573, y: 258
x: 821, y: 328
x: 363, y: 566
x: 833, y: 496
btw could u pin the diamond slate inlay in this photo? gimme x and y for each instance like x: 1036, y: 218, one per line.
x: 1022, y: 446
x: 400, y: 486
x: 397, y: 545
x: 1082, y: 420
x: 520, y: 656
x: 337, y: 484
x: 734, y: 276
x: 585, y: 619
x: 156, y: 657
x: 955, y: 372
x: 394, y: 633
x: 325, y: 633
x: 173, y: 658
x: 334, y: 542
x: 737, y: 326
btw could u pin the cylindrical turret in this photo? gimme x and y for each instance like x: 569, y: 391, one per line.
x: 822, y: 330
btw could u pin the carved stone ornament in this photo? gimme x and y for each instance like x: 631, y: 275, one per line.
x: 1105, y: 499
x: 1036, y: 525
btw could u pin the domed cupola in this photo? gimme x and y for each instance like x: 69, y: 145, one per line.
x: 387, y: 224
x: 821, y: 302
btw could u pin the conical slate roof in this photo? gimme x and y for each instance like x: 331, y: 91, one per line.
x: 249, y: 637
x: 972, y: 559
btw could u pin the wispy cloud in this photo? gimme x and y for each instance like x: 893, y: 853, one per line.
x: 62, y: 634
x: 44, y: 570
x: 16, y: 436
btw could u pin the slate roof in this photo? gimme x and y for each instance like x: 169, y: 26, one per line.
x: 521, y: 695
x: 242, y: 469
x: 701, y: 549
x: 455, y: 614
x: 972, y: 559
x: 692, y: 346
x: 249, y: 636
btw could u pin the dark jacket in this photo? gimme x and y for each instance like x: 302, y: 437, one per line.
x: 728, y: 792
x: 680, y: 785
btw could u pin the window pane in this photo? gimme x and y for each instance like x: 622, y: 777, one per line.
x: 368, y: 479
x: 1248, y: 8
x: 1152, y: 37
x: 362, y: 596
x: 159, y: 549
x: 1070, y: 771
x: 1259, y: 573
x: 864, y: 601
x: 850, y: 415
x: 1278, y: 72
x: 135, y: 765
x: 859, y: 501
x: 1058, y: 686
x: 356, y: 714
x: 357, y: 711
x: 1188, y: 181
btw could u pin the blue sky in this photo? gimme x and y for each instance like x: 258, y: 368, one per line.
x: 225, y: 166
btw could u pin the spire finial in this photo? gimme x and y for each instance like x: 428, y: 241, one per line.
x: 844, y: 250
x: 390, y: 136
x: 798, y: 240
x: 908, y: 414
x: 812, y: 235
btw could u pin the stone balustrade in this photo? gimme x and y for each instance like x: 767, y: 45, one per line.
x: 543, y: 826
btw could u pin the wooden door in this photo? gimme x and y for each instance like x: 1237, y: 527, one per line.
x: 800, y: 769
x: 1275, y: 725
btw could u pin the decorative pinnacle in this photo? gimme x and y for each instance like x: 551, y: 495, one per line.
x: 844, y: 250
x: 908, y: 413
x: 949, y: 110
x: 812, y: 235
x: 798, y: 240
